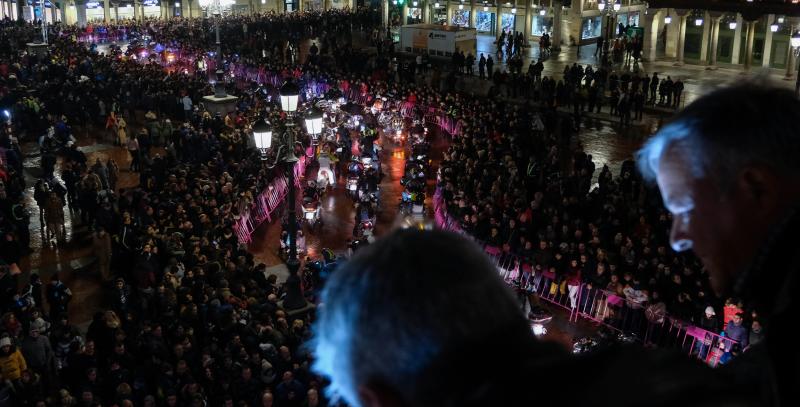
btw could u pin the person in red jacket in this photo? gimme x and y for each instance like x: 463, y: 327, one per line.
x: 573, y: 279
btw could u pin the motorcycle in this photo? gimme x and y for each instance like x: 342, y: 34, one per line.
x: 311, y: 211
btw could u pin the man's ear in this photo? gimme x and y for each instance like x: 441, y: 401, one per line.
x: 760, y: 185
x: 379, y: 395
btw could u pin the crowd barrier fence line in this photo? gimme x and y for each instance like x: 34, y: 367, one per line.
x: 265, y: 204
x: 615, y: 312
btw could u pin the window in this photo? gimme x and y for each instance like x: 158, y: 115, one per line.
x: 414, y: 16
x: 592, y: 27
x: 484, y: 21
x: 541, y: 25
x: 460, y: 18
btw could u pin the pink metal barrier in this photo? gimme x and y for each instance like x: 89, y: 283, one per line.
x: 628, y: 314
x: 266, y: 203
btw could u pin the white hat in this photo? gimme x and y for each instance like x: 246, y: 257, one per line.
x: 5, y: 342
x: 710, y: 310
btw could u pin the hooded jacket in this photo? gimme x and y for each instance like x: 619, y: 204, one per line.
x: 12, y: 363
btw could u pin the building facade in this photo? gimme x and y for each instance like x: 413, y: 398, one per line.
x: 86, y: 11
x: 687, y: 36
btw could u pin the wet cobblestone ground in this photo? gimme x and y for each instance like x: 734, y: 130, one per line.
x: 600, y: 136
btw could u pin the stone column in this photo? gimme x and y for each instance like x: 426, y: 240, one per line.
x: 449, y: 13
x: 680, y: 41
x: 748, y: 51
x: 556, y: 37
x: 651, y: 30
x: 737, y: 40
x: 790, y: 63
x: 116, y: 11
x: 106, y: 11
x: 472, y: 17
x: 707, y: 27
x: 80, y: 13
x: 767, y: 54
x: 790, y: 59
x: 62, y: 8
x: 712, y: 59
x: 426, y: 12
x: 498, y: 22
x: 526, y: 32
x: 385, y: 6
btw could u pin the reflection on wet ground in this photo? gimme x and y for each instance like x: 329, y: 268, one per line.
x: 600, y: 137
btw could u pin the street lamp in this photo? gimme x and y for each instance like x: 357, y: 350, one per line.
x: 314, y: 123
x: 289, y: 95
x: 262, y: 137
x: 610, y: 13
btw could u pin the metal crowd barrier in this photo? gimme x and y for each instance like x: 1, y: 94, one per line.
x: 616, y: 312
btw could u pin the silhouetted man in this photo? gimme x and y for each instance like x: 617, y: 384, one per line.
x: 728, y: 170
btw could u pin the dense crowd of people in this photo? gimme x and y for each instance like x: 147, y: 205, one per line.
x: 192, y: 318
x: 517, y: 181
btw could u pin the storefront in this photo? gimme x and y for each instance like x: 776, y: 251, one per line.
x: 123, y: 11
x: 541, y: 25
x: 460, y: 18
x: 290, y: 6
x: 508, y: 22
x: 313, y: 5
x: 591, y: 28
x: 151, y: 8
x: 485, y: 22
x: 693, y: 42
x: 94, y: 12
x: 439, y: 15
x: 631, y: 19
x: 414, y: 15
x: 779, y: 50
x: 35, y: 11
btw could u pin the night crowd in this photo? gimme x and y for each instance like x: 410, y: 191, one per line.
x: 191, y: 318
x: 518, y: 181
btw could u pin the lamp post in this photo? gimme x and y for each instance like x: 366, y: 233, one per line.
x: 214, y: 7
x: 795, y: 43
x: 262, y: 137
x: 313, y: 119
x: 610, y: 13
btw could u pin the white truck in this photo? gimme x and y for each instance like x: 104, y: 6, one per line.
x: 437, y: 40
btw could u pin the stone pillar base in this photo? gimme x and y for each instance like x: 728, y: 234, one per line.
x: 223, y: 105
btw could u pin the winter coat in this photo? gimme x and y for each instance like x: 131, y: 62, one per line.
x: 12, y: 364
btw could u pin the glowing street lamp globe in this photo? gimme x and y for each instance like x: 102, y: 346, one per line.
x: 290, y: 94
x: 601, y: 5
x: 314, y: 121
x: 262, y: 135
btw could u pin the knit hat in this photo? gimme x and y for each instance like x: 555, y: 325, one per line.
x: 38, y: 325
x: 5, y: 342
x: 710, y: 310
